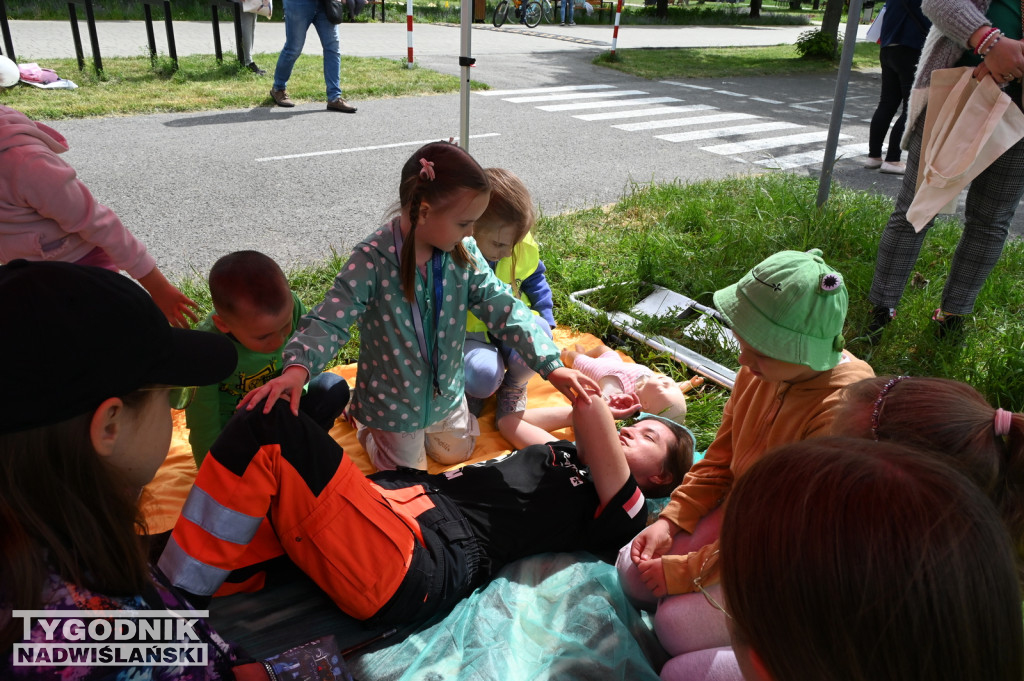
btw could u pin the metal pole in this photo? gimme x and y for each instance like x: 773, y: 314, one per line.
x: 465, y: 61
x: 408, y: 29
x: 615, y: 31
x: 839, y: 102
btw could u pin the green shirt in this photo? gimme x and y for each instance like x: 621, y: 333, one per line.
x: 215, y: 404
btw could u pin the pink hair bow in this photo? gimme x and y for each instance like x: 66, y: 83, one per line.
x: 427, y: 170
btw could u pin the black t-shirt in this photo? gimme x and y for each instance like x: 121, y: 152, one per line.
x: 542, y: 499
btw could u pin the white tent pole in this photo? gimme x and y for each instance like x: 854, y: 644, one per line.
x: 408, y: 26
x: 465, y: 61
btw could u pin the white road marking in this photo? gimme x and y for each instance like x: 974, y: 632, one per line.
x: 726, y: 132
x: 606, y: 104
x: 417, y: 143
x: 679, y: 122
x: 695, y: 87
x: 768, y: 143
x: 809, y: 157
x: 573, y: 95
x: 637, y: 113
x: 537, y: 90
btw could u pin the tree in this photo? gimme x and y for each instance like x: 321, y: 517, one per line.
x: 755, y: 9
x: 830, y: 21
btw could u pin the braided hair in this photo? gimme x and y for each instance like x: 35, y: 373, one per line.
x: 433, y: 174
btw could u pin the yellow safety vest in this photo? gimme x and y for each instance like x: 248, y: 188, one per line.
x: 527, y: 258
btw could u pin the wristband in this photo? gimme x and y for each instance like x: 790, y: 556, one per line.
x: 984, y: 38
x: 991, y: 45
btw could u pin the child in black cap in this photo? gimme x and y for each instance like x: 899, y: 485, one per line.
x: 80, y: 434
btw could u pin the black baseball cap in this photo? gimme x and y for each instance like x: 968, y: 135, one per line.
x: 73, y: 336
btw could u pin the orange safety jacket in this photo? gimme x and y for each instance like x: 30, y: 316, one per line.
x: 354, y: 538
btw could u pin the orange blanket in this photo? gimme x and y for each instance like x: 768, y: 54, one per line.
x: 163, y: 498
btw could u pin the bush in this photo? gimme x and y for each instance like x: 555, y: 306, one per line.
x: 815, y: 44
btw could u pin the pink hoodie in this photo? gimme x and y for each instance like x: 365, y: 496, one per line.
x: 46, y: 213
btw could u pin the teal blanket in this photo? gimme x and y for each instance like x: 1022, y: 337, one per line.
x: 553, y: 616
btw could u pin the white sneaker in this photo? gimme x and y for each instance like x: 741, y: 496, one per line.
x: 873, y: 162
x: 572, y: 23
x: 894, y: 168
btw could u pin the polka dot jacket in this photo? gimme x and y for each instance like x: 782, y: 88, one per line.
x: 394, y: 381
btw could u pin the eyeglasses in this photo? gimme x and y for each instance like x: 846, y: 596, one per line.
x: 179, y: 396
x: 699, y: 580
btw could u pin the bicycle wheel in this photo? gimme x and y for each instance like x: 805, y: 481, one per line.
x: 549, y: 13
x: 500, y: 13
x: 532, y: 13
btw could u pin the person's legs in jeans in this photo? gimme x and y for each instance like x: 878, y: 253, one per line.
x: 328, y: 33
x: 325, y: 399
x: 992, y: 200
x: 888, y: 101
x: 298, y: 15
x: 904, y: 62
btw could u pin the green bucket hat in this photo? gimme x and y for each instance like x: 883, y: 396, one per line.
x: 791, y: 306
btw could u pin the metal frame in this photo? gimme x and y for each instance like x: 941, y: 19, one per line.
x: 5, y: 29
x: 237, y: 15
x: 666, y: 303
x: 168, y: 25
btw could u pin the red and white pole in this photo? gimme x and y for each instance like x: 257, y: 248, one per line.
x: 408, y: 31
x: 615, y: 33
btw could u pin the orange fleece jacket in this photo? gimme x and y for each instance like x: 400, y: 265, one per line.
x: 758, y: 416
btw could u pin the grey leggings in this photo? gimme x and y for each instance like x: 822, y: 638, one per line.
x: 992, y: 199
x: 248, y: 35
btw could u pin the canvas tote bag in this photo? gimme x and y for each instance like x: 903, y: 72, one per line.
x: 968, y: 125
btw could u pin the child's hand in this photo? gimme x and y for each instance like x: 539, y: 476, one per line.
x: 654, y: 541
x: 289, y: 383
x: 623, y: 404
x: 176, y: 306
x: 573, y: 384
x: 653, y: 574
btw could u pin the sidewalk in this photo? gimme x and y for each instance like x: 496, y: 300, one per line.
x: 37, y: 40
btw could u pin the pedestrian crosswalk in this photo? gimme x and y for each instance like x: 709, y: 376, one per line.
x: 714, y: 129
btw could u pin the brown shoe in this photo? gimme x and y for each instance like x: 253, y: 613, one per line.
x: 281, y: 98
x: 340, y: 105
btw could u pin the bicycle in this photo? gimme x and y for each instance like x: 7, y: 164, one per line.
x: 530, y: 11
x: 547, y: 11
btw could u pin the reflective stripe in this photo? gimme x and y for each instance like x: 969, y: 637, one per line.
x: 185, y: 572
x: 220, y: 521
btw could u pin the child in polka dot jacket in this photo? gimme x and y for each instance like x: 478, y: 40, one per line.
x: 409, y: 286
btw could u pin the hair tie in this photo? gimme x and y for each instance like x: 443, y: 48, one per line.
x: 878, y: 404
x: 1002, y: 421
x: 427, y: 170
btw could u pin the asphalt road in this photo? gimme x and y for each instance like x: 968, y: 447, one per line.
x: 296, y: 183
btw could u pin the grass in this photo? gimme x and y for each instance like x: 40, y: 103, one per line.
x: 698, y: 238
x: 132, y: 85
x: 728, y: 62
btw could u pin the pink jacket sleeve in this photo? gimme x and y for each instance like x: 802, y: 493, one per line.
x: 52, y: 187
